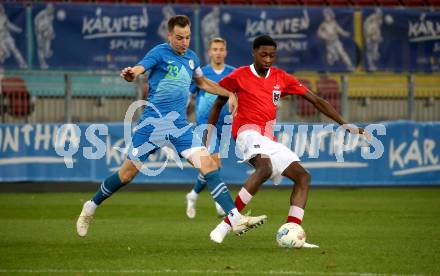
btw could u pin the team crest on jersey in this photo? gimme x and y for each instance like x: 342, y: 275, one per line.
x: 276, y: 94
x: 191, y: 64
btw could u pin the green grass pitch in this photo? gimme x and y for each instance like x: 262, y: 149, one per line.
x: 360, y: 231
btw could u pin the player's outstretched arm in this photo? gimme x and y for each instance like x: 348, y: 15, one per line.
x: 326, y: 108
x: 130, y: 73
x: 211, y: 87
x: 214, y: 88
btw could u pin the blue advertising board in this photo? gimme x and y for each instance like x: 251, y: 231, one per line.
x: 13, y: 43
x: 308, y: 39
x: 401, y: 39
x: 110, y: 37
x: 401, y: 153
x: 98, y: 36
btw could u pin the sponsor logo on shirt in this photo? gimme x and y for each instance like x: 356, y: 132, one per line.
x: 276, y: 94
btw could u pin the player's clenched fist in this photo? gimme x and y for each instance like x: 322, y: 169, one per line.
x: 128, y: 74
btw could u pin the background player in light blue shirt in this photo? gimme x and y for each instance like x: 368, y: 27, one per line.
x: 172, y: 67
x: 215, y: 71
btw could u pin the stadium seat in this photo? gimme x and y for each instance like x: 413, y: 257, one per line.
x: 435, y: 3
x: 413, y: 3
x: 328, y: 89
x: 289, y: 2
x: 18, y: 102
x: 211, y: 2
x: 314, y: 2
x: 389, y: 3
x: 364, y: 2
x: 159, y: 1
x: 107, y: 1
x: 186, y: 2
x: 262, y: 2
x: 237, y: 2
x: 135, y: 1
x: 304, y: 108
x: 339, y: 2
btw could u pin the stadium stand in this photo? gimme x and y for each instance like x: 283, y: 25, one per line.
x: 388, y: 3
x: 339, y: 2
x: 289, y: 2
x: 314, y: 2
x: 16, y: 98
x: 186, y: 2
x: 433, y: 3
x: 329, y: 90
x: 364, y: 3
x: 237, y: 2
x: 413, y: 3
x: 211, y: 2
x: 304, y: 108
x: 159, y: 2
x: 262, y: 2
x: 374, y: 85
x: 134, y: 1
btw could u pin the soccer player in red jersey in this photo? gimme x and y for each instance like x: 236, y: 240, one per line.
x: 259, y: 87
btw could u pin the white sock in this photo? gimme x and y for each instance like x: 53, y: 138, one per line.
x: 234, y: 216
x: 193, y: 195
x: 245, y: 196
x: 90, y: 207
x: 224, y: 226
x: 296, y: 212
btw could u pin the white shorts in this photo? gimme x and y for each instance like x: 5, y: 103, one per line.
x: 250, y: 143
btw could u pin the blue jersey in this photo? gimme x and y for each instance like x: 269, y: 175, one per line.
x: 205, y: 100
x: 169, y: 80
x: 163, y: 122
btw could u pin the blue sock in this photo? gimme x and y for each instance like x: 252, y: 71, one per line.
x: 200, y: 184
x: 219, y: 191
x: 107, y: 188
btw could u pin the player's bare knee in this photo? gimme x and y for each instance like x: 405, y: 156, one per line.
x: 304, y: 179
x: 209, y: 164
x: 126, y: 176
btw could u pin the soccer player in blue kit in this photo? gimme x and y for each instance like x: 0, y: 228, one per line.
x: 172, y: 66
x: 215, y: 71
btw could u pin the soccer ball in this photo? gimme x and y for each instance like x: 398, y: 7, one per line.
x: 291, y: 235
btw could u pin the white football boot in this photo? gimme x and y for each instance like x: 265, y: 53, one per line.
x: 246, y: 223
x: 84, y: 219
x: 220, y: 231
x: 190, y: 206
x: 219, y: 209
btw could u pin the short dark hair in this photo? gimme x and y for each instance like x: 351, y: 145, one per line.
x: 263, y: 40
x: 178, y: 20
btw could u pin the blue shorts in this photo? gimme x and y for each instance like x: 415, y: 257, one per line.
x: 148, y: 139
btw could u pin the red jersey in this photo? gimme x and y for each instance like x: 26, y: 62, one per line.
x: 258, y: 97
